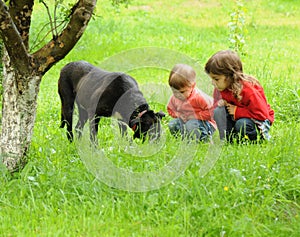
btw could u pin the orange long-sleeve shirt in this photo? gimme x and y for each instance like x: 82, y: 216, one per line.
x: 197, y: 106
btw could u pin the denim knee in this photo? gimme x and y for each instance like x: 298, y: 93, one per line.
x: 220, y: 116
x: 175, y: 126
x: 242, y: 124
x: 219, y: 113
x: 200, y: 130
x: 191, y: 125
x: 247, y: 127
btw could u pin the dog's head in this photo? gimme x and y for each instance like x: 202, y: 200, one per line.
x: 147, y: 123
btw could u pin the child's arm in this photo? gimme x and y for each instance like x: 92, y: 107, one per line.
x: 218, y: 101
x: 171, y: 109
x: 171, y: 113
x: 256, y: 107
x: 204, y: 108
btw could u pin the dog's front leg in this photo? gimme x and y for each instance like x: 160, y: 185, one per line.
x: 123, y: 128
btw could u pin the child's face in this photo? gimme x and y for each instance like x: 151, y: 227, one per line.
x: 220, y: 82
x: 183, y: 93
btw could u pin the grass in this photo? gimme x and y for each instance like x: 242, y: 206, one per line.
x: 251, y: 190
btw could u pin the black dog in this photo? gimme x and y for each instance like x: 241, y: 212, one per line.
x: 100, y: 93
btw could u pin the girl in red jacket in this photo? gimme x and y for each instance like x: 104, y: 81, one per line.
x: 241, y: 108
x: 191, y: 109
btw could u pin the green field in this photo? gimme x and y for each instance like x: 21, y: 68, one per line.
x: 230, y: 190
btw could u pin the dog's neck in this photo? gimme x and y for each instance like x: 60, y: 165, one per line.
x: 130, y: 104
x: 142, y: 109
x: 138, y: 113
x: 134, y: 127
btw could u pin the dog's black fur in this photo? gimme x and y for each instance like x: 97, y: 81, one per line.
x: 100, y: 93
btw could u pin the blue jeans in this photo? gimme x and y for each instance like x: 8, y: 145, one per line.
x: 194, y: 129
x: 241, y: 128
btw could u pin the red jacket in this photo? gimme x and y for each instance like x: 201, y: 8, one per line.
x: 252, y: 105
x: 197, y: 106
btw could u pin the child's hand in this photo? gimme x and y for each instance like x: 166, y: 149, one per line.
x: 230, y: 108
x: 184, y: 118
x: 222, y: 103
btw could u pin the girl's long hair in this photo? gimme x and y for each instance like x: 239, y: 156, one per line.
x: 228, y: 63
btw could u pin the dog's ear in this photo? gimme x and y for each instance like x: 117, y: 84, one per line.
x: 160, y: 114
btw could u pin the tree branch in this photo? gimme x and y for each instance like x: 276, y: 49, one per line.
x: 20, y: 12
x: 13, y: 41
x: 58, y: 48
x: 50, y: 19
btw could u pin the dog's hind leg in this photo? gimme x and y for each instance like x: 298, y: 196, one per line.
x: 66, y: 118
x: 83, y: 117
x: 68, y: 121
x: 94, y: 123
x: 67, y: 97
x: 68, y: 108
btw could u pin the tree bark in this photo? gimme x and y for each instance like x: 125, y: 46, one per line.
x: 18, y: 115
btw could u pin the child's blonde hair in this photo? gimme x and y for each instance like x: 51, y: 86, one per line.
x: 228, y: 63
x: 181, y: 76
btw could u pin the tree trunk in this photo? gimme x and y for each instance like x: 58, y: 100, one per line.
x: 18, y: 115
x: 23, y: 72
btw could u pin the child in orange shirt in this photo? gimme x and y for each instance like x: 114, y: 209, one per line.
x: 191, y: 109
